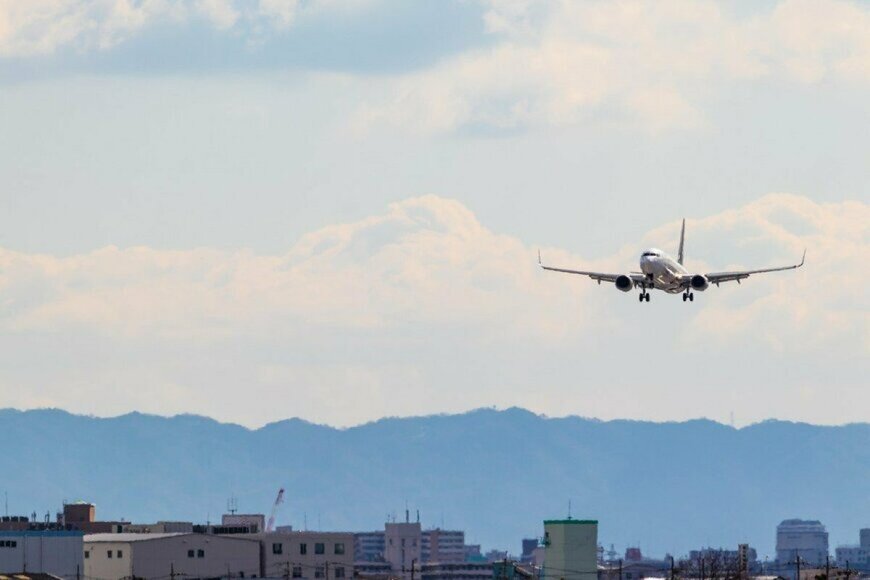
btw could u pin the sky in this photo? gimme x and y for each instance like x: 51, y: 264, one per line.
x: 332, y: 209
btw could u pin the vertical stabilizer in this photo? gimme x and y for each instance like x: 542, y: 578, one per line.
x: 682, y: 240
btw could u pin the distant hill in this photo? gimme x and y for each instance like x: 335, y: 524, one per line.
x: 496, y: 474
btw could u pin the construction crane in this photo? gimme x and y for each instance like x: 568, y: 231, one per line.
x: 270, y: 525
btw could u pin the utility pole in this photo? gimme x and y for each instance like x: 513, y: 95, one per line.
x: 827, y: 567
x: 413, y: 565
x: 78, y: 573
x: 172, y: 570
x: 672, y: 568
x: 620, y: 569
x: 798, y: 565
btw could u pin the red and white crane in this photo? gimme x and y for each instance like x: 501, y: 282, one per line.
x: 270, y: 524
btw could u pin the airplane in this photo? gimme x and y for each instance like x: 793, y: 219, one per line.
x: 660, y: 271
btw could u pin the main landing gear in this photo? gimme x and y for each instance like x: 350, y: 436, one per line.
x: 644, y: 295
x: 690, y: 296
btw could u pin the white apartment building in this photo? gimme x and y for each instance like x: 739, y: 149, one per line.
x: 55, y: 552
x: 152, y: 556
x: 806, y: 539
x: 571, y: 549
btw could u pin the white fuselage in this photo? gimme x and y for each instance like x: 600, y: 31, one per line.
x: 663, y: 272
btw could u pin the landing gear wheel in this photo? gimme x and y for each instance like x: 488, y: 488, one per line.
x: 685, y: 296
x: 692, y: 297
x: 647, y: 296
x: 640, y: 297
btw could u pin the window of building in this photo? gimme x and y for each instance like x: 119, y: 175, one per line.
x: 339, y: 572
x: 319, y: 548
x: 190, y: 554
x: 339, y: 548
x: 318, y: 572
x: 120, y: 554
x: 297, y: 571
x: 109, y: 553
x: 277, y: 548
x: 87, y: 554
x: 200, y: 553
x: 303, y: 549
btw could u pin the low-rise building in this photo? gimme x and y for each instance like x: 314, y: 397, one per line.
x: 152, y: 556
x: 856, y: 557
x: 307, y: 555
x: 456, y: 571
x: 56, y: 552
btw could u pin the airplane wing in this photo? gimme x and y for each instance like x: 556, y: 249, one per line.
x: 599, y: 277
x: 719, y: 277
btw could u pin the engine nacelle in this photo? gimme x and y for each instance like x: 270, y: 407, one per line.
x: 624, y: 283
x: 699, y: 282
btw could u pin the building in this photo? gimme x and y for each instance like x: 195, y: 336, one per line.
x: 403, y: 546
x: 153, y: 556
x: 804, y: 539
x: 570, y: 549
x: 307, y: 555
x: 83, y: 516
x: 856, y: 557
x: 161, y: 527
x: 254, y: 522
x: 744, y: 558
x: 456, y: 571
x: 55, y: 552
x: 529, y: 547
x: 443, y: 546
x: 369, y: 546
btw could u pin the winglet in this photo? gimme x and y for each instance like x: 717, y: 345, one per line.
x: 539, y: 258
x: 804, y: 257
x: 682, y: 239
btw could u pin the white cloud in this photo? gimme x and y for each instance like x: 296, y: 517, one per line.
x: 368, y: 318
x: 650, y: 64
x: 44, y: 27
x: 429, y: 261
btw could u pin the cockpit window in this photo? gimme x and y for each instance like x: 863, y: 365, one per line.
x: 649, y: 254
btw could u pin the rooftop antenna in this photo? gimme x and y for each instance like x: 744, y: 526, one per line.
x: 418, y: 516
x: 569, y: 508
x: 232, y: 505
x: 6, y: 498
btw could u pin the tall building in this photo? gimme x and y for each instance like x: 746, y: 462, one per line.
x: 443, y: 546
x: 403, y: 546
x: 570, y: 549
x: 807, y: 539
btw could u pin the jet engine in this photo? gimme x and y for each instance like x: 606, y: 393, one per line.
x: 624, y: 283
x: 699, y: 282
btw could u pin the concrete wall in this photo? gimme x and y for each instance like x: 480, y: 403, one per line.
x: 50, y: 552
